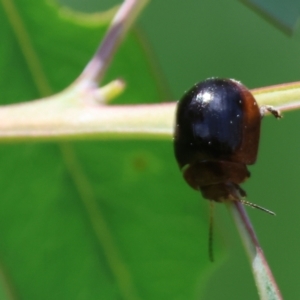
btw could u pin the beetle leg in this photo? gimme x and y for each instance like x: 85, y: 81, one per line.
x: 271, y: 109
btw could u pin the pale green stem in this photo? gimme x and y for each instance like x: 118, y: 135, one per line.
x: 53, y: 119
x: 283, y: 96
x: 265, y: 282
x: 76, y: 113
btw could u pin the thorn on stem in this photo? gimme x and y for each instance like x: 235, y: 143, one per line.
x: 110, y: 91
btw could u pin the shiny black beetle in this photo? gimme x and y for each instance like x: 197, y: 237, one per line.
x: 216, y: 136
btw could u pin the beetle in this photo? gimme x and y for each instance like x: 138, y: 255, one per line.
x: 216, y: 136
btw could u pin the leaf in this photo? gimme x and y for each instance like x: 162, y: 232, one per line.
x: 283, y: 14
x: 89, y: 220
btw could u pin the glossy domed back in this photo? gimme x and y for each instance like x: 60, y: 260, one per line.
x: 217, y: 119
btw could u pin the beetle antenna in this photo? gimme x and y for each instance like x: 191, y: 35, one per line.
x: 211, y: 231
x: 256, y: 206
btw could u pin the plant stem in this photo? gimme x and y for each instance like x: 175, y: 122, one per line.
x: 122, y: 21
x: 78, y: 111
x: 284, y: 97
x: 265, y: 282
x: 55, y: 120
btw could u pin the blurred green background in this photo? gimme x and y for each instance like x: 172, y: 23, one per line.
x: 193, y: 40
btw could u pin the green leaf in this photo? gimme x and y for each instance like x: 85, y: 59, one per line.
x: 90, y: 220
x: 283, y: 14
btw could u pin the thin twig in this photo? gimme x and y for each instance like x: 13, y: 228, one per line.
x: 264, y: 279
x: 55, y: 121
x: 284, y: 97
x: 120, y: 24
x: 75, y: 114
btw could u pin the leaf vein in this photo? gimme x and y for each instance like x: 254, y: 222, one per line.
x: 26, y: 46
